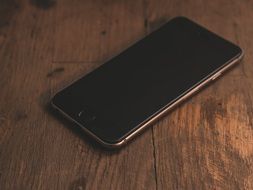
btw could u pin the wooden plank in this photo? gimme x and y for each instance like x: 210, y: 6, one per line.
x: 25, y: 60
x: 38, y: 151
x: 84, y: 30
x: 207, y: 142
x: 243, y: 34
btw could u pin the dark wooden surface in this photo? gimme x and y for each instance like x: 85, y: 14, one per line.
x: 206, y: 143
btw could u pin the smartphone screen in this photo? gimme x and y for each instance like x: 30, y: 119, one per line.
x: 125, y: 92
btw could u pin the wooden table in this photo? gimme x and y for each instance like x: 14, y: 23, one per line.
x: 206, y: 143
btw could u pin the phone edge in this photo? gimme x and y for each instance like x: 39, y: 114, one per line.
x: 188, y: 94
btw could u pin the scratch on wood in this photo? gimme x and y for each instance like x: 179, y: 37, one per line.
x: 79, y: 184
x: 55, y: 71
x: 210, y: 109
x: 103, y: 32
x: 43, y: 4
x: 2, y: 118
x: 7, y: 9
x: 146, y: 23
x: 20, y: 115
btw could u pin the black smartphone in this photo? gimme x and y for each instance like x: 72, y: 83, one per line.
x: 126, y: 94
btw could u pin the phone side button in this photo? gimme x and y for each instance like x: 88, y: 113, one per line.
x: 216, y: 76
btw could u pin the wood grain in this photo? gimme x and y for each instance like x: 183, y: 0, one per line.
x: 206, y: 143
x: 94, y: 30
